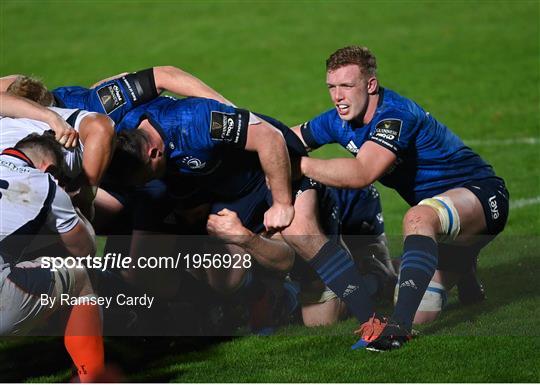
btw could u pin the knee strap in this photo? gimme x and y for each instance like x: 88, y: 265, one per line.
x: 448, y: 216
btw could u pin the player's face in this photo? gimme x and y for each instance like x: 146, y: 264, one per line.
x: 349, y: 91
x: 154, y: 168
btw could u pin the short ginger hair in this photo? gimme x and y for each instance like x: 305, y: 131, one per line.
x: 361, y: 56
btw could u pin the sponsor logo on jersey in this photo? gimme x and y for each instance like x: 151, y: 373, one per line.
x: 388, y: 129
x: 15, y: 168
x: 193, y: 163
x: 225, y: 126
x: 111, y: 97
x: 493, y: 207
x: 130, y: 88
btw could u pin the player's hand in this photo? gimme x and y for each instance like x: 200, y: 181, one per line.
x: 278, y: 217
x: 226, y: 226
x: 63, y: 132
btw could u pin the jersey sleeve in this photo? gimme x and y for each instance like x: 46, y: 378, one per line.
x: 141, y: 86
x: 62, y: 216
x: 394, y: 130
x: 317, y: 131
x: 116, y: 97
x: 220, y: 125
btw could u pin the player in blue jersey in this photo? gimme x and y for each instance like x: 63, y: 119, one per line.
x: 455, y: 196
x: 114, y: 96
x: 202, y: 144
x: 355, y: 215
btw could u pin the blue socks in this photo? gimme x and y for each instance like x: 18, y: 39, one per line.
x: 418, y: 264
x: 337, y: 269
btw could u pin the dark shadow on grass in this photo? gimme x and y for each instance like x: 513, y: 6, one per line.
x: 30, y: 357
x: 505, y: 283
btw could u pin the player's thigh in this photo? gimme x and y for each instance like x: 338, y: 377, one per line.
x: 29, y: 294
x: 471, y: 214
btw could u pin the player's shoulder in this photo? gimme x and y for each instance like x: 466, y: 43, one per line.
x: 395, y: 107
x: 328, y: 120
x: 65, y: 113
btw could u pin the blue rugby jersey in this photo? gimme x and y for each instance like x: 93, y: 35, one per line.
x: 114, y: 98
x: 430, y: 158
x: 202, y: 137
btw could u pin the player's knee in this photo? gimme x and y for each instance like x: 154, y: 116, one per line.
x: 420, y: 220
x: 443, y: 216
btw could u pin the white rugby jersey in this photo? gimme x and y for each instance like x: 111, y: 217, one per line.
x: 29, y: 200
x: 13, y: 130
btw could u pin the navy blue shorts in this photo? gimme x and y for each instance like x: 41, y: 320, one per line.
x: 144, y: 207
x: 251, y: 206
x: 494, y: 197
x: 360, y: 210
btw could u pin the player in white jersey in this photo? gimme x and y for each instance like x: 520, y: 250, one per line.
x: 30, y: 201
x: 87, y: 159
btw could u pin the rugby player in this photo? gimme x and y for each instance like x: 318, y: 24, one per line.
x: 202, y: 143
x: 356, y: 213
x: 30, y: 201
x: 455, y: 195
x: 115, y: 95
x: 88, y: 138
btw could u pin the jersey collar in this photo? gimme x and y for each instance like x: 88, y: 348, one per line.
x: 19, y: 155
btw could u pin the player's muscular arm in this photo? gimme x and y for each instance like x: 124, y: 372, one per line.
x: 173, y: 79
x: 371, y: 162
x: 79, y: 240
x: 17, y: 107
x: 270, y: 253
x: 97, y: 135
x: 109, y: 78
x: 270, y: 145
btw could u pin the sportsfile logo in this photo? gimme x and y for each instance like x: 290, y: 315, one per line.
x: 410, y: 283
x: 493, y: 207
x: 349, y: 290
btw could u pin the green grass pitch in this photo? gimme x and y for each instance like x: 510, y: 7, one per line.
x: 473, y: 65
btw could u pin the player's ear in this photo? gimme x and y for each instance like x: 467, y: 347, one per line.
x: 154, y: 153
x: 372, y: 85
